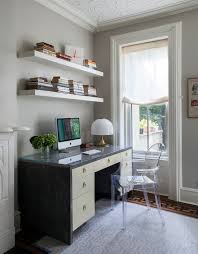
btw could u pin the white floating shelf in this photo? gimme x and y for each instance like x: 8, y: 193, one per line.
x: 41, y: 93
x: 39, y: 57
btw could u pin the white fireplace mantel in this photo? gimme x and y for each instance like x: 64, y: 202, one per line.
x: 7, y: 230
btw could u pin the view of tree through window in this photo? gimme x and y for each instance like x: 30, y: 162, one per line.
x: 153, y: 125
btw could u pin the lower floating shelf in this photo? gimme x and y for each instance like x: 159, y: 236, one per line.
x: 41, y: 93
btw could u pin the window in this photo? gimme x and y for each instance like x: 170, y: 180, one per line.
x: 145, y: 68
x: 153, y: 126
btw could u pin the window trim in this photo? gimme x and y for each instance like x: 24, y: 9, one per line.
x: 174, y: 33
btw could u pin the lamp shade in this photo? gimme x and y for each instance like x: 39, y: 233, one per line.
x: 102, y: 127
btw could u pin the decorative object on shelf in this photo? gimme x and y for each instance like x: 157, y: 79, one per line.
x: 39, y: 83
x: 44, y: 143
x: 63, y: 56
x: 102, y: 127
x: 89, y: 90
x: 90, y: 64
x: 76, y: 53
x: 45, y: 48
x: 193, y: 97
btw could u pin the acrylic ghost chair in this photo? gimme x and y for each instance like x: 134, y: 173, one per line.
x: 145, y: 179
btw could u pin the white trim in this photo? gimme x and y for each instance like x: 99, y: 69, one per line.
x: 189, y: 195
x: 173, y: 32
x: 148, y: 15
x: 69, y: 12
x: 78, y: 17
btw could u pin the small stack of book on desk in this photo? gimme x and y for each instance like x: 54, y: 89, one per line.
x: 89, y: 90
x: 45, y: 48
x: 39, y: 83
x: 60, y: 84
x: 90, y: 64
x: 76, y: 87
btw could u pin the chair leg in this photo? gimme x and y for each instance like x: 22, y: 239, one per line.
x: 146, y: 197
x: 158, y: 203
x: 124, y: 209
x: 112, y: 193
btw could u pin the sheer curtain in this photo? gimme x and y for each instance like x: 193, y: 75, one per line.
x: 146, y: 72
x: 145, y: 82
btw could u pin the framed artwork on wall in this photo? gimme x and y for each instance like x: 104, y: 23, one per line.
x: 193, y: 97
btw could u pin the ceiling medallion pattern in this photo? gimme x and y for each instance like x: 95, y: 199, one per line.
x: 109, y: 10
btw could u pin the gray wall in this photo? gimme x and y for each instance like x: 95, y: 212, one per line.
x: 36, y: 23
x: 8, y: 100
x: 189, y: 69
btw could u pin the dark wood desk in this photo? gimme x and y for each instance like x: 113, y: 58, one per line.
x: 57, y: 194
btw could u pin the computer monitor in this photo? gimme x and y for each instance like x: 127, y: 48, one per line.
x: 68, y: 132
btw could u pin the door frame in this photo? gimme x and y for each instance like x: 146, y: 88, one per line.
x: 174, y: 34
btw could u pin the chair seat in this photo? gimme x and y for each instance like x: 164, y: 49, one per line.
x: 131, y: 181
x: 147, y: 170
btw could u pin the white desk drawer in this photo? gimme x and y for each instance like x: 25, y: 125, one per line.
x: 82, y: 184
x: 83, y: 209
x: 87, y: 169
x: 126, y: 168
x: 111, y: 160
x: 126, y: 155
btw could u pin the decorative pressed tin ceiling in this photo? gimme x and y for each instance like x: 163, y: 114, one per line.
x: 108, y: 10
x: 98, y: 14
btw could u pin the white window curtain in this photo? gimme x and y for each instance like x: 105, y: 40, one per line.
x: 146, y: 73
x: 145, y: 79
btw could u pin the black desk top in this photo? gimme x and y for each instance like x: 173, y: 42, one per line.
x: 75, y: 158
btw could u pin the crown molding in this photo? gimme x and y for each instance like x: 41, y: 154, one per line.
x: 147, y: 16
x: 69, y: 12
x: 78, y: 17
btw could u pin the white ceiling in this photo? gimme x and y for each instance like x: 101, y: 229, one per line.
x: 98, y: 14
x: 108, y: 10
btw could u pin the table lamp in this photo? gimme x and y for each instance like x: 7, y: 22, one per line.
x: 102, y: 127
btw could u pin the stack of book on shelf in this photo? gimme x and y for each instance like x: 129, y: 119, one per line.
x: 63, y: 56
x: 90, y: 64
x: 45, y: 48
x: 89, y: 90
x: 60, y: 84
x: 76, y: 87
x: 39, y: 83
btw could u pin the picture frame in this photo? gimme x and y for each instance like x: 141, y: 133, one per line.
x: 193, y: 98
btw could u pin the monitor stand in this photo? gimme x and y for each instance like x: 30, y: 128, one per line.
x: 71, y: 150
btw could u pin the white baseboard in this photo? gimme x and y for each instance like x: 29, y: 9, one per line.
x: 189, y: 195
x: 7, y: 241
x: 17, y: 221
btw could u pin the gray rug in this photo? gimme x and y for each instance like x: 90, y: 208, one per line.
x: 144, y: 234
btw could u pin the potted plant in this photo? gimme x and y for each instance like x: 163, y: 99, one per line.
x: 43, y: 142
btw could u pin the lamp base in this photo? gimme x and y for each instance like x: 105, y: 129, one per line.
x: 102, y: 142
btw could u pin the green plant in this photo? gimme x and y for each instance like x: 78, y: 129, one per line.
x: 42, y: 141
x: 143, y: 123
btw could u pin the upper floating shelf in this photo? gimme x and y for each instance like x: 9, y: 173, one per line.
x: 39, y: 57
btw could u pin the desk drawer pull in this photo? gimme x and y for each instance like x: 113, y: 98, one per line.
x: 84, y: 207
x: 84, y: 170
x: 84, y: 184
x: 109, y: 160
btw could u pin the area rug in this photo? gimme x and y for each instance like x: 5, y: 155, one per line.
x: 144, y: 233
x: 137, y: 197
